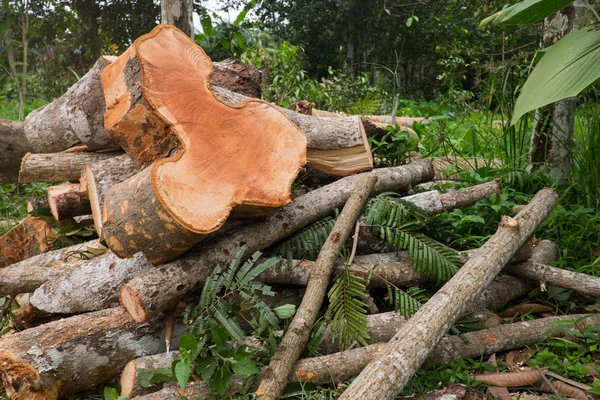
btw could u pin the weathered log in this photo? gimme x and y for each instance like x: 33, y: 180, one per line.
x: 73, y: 354
x: 396, y: 364
x: 339, y: 367
x: 27, y: 275
x: 237, y: 77
x: 401, y: 121
x: 55, y: 167
x: 274, y: 377
x: 96, y: 178
x: 244, y: 157
x: 89, y: 287
x: 12, y: 149
x: 158, y: 289
x: 35, y: 204
x: 27, y: 316
x: 67, y: 201
x: 536, y: 270
x: 336, y: 146
x: 31, y: 237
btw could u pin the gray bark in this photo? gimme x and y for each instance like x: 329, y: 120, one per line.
x: 56, y: 167
x: 395, y: 365
x: 178, y: 13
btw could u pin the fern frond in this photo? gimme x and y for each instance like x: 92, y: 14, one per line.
x: 391, y: 211
x: 431, y: 258
x: 365, y: 106
x: 405, y: 303
x: 347, y: 311
x: 229, y: 324
x: 307, y: 243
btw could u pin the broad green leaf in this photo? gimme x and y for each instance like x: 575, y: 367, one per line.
x: 244, y: 366
x: 205, y: 367
x: 285, y: 311
x: 221, y: 380
x: 188, y: 342
x: 162, y: 375
x: 242, y: 15
x: 525, y: 12
x: 567, y: 68
x: 220, y: 336
x: 110, y: 393
x: 182, y: 373
x: 144, y: 377
x: 207, y: 26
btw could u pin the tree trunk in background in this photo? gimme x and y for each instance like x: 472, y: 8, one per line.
x: 178, y: 13
x: 552, y: 138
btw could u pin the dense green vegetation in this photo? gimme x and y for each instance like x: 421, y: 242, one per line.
x: 355, y: 57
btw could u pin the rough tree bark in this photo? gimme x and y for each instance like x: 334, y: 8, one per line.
x: 178, y: 13
x: 68, y: 200
x: 73, y: 354
x: 56, y: 167
x: 27, y: 275
x: 158, y: 289
x: 274, y: 377
x: 551, y: 142
x: 538, y: 271
x: 395, y: 365
x: 243, y: 158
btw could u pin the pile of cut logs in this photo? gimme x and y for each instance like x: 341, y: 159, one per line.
x: 180, y: 165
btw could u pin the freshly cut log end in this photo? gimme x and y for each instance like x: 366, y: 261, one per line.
x: 242, y: 158
x: 98, y: 177
x: 129, y: 383
x: 131, y: 302
x: 23, y: 382
x: 31, y: 237
x: 67, y: 201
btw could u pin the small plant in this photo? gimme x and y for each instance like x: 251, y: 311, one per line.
x: 394, y: 147
x: 215, y: 347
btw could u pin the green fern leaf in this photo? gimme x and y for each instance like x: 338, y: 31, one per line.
x: 347, y: 311
x: 405, y: 303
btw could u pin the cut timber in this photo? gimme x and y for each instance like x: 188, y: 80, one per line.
x: 96, y: 178
x: 449, y: 168
x: 56, y: 167
x: 401, y: 121
x: 72, y: 119
x: 91, y: 286
x: 274, y: 377
x: 12, y: 149
x: 336, y: 146
x: 243, y: 158
x: 237, y: 77
x: 67, y: 201
x: 385, y: 376
x: 31, y: 237
x: 537, y: 270
x: 73, y: 354
x: 338, y: 367
x: 27, y: 275
x: 158, y: 289
x: 130, y: 385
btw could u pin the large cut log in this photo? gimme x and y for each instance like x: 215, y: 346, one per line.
x: 31, y: 237
x: 77, y: 118
x: 159, y: 288
x: 27, y: 275
x: 73, y: 354
x: 96, y: 178
x: 56, y: 167
x: 221, y: 157
x: 401, y: 121
x: 274, y: 376
x: 67, y: 201
x: 336, y: 146
x: 395, y: 365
